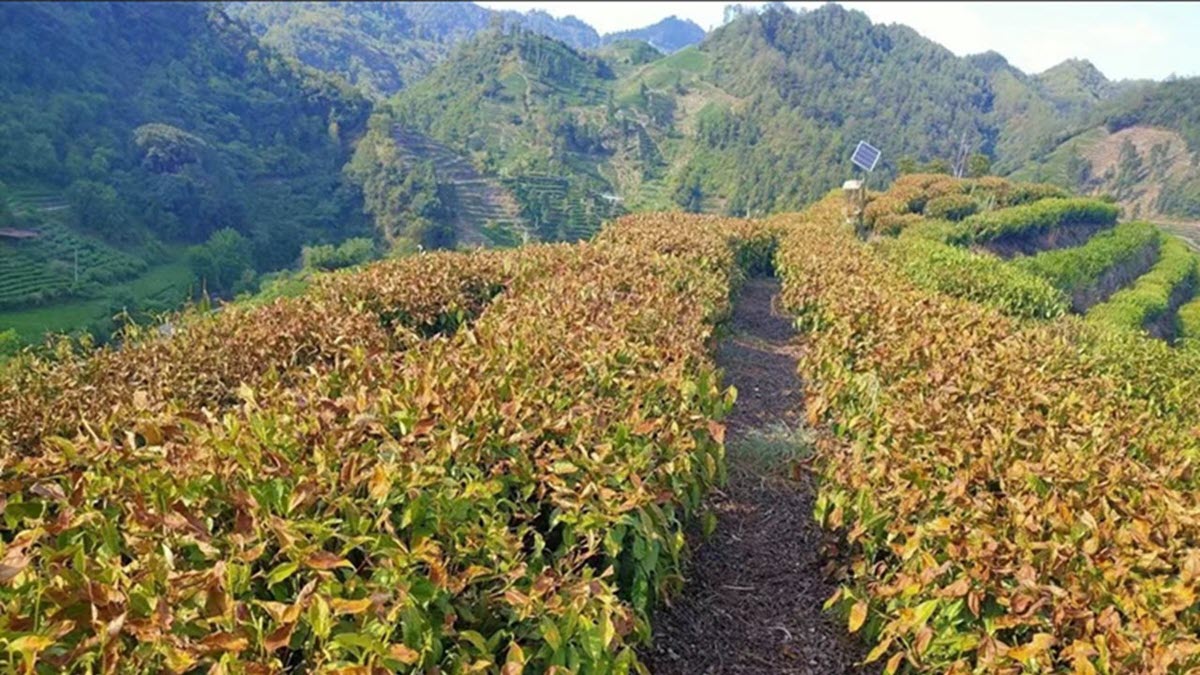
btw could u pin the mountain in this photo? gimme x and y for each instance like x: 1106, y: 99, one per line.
x: 756, y: 118
x: 1076, y: 85
x: 668, y: 36
x: 761, y: 114
x: 383, y: 47
x: 793, y: 91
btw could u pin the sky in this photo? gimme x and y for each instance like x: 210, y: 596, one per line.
x: 1125, y: 40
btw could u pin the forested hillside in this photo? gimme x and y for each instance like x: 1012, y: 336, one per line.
x: 383, y: 47
x: 523, y: 107
x: 758, y: 117
x: 134, y: 129
x: 801, y: 88
x: 1143, y: 147
x: 761, y: 115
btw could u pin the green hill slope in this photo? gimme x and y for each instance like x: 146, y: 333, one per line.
x: 178, y: 110
x: 128, y: 130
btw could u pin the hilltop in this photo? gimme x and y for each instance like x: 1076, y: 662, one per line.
x: 668, y: 36
x: 383, y: 47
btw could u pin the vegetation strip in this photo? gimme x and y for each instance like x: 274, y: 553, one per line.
x: 1009, y: 496
x: 1107, y: 261
x: 1155, y: 295
x: 482, y: 499
x: 212, y: 356
x: 981, y: 277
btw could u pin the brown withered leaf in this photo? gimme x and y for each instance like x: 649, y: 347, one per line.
x: 324, y: 560
x: 279, y: 637
x: 224, y: 642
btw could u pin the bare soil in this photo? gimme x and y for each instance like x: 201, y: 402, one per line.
x: 755, y: 590
x: 1068, y: 236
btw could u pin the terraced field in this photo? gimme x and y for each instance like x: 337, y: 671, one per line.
x: 1034, y: 252
x: 495, y: 211
x: 59, y: 263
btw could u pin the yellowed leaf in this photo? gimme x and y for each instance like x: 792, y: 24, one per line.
x: 403, y: 654
x: 858, y: 615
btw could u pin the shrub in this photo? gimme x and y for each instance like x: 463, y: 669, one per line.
x: 991, y: 483
x: 1189, y: 322
x: 1149, y: 297
x: 1073, y: 269
x: 318, y: 483
x: 980, y: 277
x: 951, y: 207
x: 1032, y: 218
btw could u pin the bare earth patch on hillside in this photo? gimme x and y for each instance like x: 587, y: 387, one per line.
x: 755, y: 590
x: 1104, y: 154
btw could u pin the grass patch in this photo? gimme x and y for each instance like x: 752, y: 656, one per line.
x: 773, y: 448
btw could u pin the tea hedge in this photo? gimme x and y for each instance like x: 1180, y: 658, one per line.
x: 1076, y: 269
x: 984, y: 278
x: 1010, y: 497
x: 1151, y: 295
x: 509, y: 495
x: 1033, y: 218
x: 211, y: 355
x: 943, y: 196
x: 1189, y: 321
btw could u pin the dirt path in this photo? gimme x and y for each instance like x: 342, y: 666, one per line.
x: 752, y: 603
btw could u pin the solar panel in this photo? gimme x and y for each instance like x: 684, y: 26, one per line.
x: 865, y: 156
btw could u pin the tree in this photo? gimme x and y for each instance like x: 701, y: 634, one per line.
x: 1129, y: 167
x: 222, y: 262
x: 166, y: 149
x: 10, y: 343
x: 97, y: 208
x: 7, y: 217
x: 936, y: 166
x: 979, y: 165
x: 1079, y: 170
x: 906, y: 165
x: 328, y: 257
